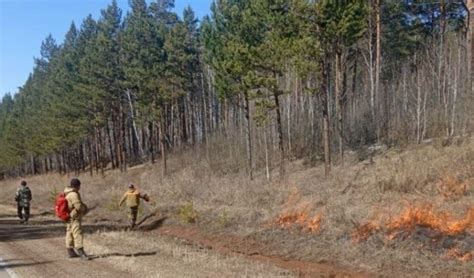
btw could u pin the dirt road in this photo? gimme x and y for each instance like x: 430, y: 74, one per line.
x: 37, y: 250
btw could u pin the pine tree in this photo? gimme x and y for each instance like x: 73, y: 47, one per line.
x: 228, y: 38
x: 105, y: 76
x: 341, y: 24
x: 66, y: 105
x: 143, y: 59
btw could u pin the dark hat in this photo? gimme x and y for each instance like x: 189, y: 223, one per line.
x: 131, y: 186
x: 23, y: 183
x: 75, y: 183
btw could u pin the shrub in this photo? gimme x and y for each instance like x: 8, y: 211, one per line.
x: 113, y: 204
x: 187, y: 213
x: 224, y: 220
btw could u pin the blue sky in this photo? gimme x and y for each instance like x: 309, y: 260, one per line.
x: 25, y: 23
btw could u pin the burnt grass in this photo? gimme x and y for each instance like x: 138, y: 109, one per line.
x: 435, y: 241
x: 418, y: 253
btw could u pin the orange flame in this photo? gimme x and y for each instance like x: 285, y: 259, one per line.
x: 315, y: 224
x: 417, y: 216
x: 300, y: 217
x: 425, y: 216
x: 451, y: 187
x: 463, y: 257
x: 363, y: 232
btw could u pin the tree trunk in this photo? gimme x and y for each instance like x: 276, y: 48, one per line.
x: 135, y: 131
x: 117, y: 131
x: 152, y: 143
x: 123, y: 140
x: 161, y: 130
x: 91, y: 158
x: 339, y: 105
x: 378, y: 60
x: 470, y: 44
x: 111, y: 146
x: 182, y: 116
x: 204, y: 112
x: 267, y: 161
x: 99, y: 148
x: 324, y: 94
x: 280, y: 134
x: 249, y: 136
x: 192, y: 114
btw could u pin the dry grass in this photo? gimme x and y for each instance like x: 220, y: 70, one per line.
x: 358, y: 193
x: 168, y: 257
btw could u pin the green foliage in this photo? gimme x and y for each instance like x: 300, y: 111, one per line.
x: 400, y: 38
x: 224, y: 219
x: 187, y: 213
x: 341, y: 23
x: 113, y: 203
x: 53, y: 193
x: 152, y: 58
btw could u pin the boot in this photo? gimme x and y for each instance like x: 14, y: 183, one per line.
x: 71, y: 253
x: 82, y: 254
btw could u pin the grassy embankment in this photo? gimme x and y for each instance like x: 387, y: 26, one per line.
x: 403, y: 211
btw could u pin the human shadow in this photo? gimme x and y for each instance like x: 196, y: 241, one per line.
x: 99, y: 227
x: 117, y: 254
x: 8, y: 216
x: 12, y: 230
x: 32, y: 215
x: 16, y: 265
x: 43, y: 222
x: 42, y: 228
x: 4, y: 261
x: 153, y: 225
x: 44, y: 213
x: 146, y: 218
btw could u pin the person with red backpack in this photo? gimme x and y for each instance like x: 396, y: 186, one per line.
x: 72, y: 214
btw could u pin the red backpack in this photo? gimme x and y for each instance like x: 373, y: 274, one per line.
x: 61, y: 207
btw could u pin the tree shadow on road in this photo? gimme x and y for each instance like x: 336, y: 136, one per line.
x: 11, y: 230
x: 117, y: 254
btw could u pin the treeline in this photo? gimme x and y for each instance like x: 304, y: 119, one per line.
x: 275, y: 80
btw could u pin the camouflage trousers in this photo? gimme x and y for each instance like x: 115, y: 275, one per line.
x: 23, y: 212
x: 132, y: 216
x: 74, y: 237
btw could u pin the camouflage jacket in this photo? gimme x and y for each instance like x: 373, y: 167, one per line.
x: 23, y: 196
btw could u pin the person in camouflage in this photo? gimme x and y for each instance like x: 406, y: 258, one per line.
x: 132, y: 199
x: 77, y: 209
x: 23, y: 198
